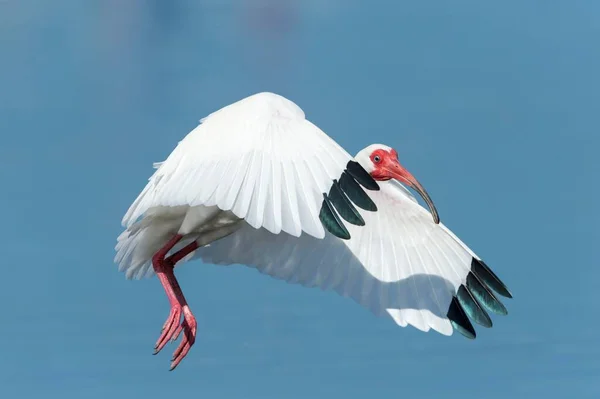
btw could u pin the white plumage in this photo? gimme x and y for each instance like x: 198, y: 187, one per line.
x: 248, y: 185
x: 399, y: 262
x: 259, y: 158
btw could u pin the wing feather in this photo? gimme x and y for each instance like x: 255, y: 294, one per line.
x: 273, y: 220
x: 289, y: 201
x: 250, y: 157
x: 400, y: 263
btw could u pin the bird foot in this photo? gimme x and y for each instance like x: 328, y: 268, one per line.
x: 173, y: 328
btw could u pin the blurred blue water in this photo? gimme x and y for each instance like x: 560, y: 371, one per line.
x: 493, y: 106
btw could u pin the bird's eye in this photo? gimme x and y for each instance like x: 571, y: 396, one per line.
x: 376, y: 159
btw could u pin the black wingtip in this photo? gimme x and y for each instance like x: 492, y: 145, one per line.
x: 476, y: 296
x: 484, y: 295
x: 342, y: 197
x: 459, y: 319
x: 343, y: 205
x: 362, y: 176
x: 355, y: 192
x: 331, y: 220
x: 472, y: 307
x: 485, y: 274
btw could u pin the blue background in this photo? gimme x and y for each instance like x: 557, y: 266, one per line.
x: 494, y: 106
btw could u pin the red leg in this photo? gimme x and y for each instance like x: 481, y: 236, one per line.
x: 172, y: 328
x: 182, y: 253
x: 172, y: 261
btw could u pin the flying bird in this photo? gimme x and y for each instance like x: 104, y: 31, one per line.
x: 257, y: 184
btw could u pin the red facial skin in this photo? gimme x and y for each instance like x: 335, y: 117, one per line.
x: 384, y: 163
x: 388, y: 167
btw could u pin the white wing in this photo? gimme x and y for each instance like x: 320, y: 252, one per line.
x: 259, y: 158
x: 399, y: 263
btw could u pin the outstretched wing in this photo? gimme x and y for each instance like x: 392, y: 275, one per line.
x: 259, y: 158
x: 399, y: 263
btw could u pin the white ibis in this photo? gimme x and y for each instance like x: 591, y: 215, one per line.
x: 257, y: 184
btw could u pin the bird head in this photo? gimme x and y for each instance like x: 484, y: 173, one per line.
x: 382, y: 164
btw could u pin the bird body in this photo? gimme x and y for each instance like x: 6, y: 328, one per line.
x: 257, y: 184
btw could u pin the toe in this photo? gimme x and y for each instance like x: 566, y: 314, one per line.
x: 168, y: 331
x: 189, y: 338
